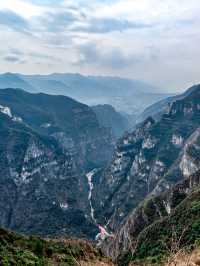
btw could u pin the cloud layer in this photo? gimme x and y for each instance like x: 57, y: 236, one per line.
x: 152, y: 40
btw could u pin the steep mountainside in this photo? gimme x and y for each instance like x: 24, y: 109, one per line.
x: 168, y: 224
x: 148, y: 161
x: 156, y: 110
x: 72, y: 124
x: 47, y: 146
x: 152, y: 209
x: 16, y: 249
x: 110, y: 118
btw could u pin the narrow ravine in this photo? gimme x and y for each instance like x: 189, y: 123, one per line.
x: 91, y: 186
x: 102, y: 229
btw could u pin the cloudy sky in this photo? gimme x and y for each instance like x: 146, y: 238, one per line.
x: 151, y: 40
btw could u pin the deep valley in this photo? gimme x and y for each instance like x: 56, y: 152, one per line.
x: 65, y: 172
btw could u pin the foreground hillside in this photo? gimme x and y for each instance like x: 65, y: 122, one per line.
x: 16, y: 249
x: 181, y: 258
x: 165, y: 235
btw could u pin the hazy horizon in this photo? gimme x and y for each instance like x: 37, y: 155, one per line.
x: 152, y: 41
x: 163, y: 90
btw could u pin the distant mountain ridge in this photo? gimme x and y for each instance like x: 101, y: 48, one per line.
x: 10, y: 80
x: 126, y: 95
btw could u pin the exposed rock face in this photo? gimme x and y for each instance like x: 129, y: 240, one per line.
x: 189, y: 162
x: 146, y: 163
x: 44, y: 159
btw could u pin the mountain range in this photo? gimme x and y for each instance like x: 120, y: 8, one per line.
x: 63, y: 173
x: 125, y: 95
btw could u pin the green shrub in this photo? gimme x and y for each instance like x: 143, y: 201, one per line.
x: 39, y: 248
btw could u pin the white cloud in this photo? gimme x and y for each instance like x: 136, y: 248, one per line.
x: 148, y: 10
x: 151, y: 40
x: 22, y: 8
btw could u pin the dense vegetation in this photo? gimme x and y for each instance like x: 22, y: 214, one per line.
x: 180, y: 230
x: 16, y: 249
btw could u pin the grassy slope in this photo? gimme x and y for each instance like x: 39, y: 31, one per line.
x: 19, y: 250
x: 180, y: 229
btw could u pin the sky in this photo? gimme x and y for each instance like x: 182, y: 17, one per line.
x: 156, y: 41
